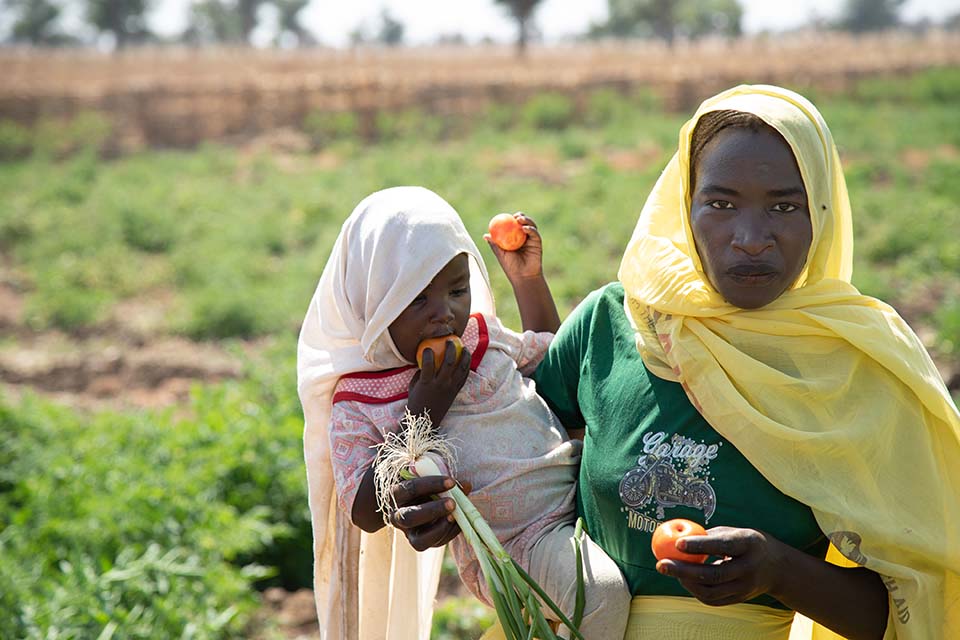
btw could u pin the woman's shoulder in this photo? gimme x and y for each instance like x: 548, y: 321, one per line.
x: 604, y: 299
x: 601, y: 308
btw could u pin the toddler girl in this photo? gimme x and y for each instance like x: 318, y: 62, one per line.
x: 402, y: 270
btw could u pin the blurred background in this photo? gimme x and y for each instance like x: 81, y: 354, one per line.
x: 173, y: 173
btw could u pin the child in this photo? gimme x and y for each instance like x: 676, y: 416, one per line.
x: 404, y: 269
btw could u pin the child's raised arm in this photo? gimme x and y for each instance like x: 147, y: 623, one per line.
x: 524, y: 269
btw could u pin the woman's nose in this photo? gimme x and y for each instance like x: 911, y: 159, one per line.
x: 753, y: 236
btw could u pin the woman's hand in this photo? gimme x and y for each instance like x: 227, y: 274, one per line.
x: 751, y: 564
x: 425, y: 521
x: 850, y: 601
x: 525, y: 262
x: 434, y: 389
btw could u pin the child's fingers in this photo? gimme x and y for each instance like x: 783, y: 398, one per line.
x: 525, y: 220
x: 449, y: 354
x: 464, y: 365
x: 428, y: 369
x: 531, y: 231
x: 497, y: 251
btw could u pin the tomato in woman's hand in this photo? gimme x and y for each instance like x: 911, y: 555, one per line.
x: 664, y: 542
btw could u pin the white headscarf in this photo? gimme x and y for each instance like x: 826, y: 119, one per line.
x: 393, y: 244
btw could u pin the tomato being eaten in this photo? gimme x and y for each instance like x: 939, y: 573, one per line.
x: 664, y: 542
x: 438, y: 346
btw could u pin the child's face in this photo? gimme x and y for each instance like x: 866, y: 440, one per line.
x: 749, y: 216
x: 442, y: 309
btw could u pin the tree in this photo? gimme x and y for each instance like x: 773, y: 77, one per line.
x: 288, y: 21
x: 248, y: 10
x: 124, y: 19
x: 668, y: 19
x: 870, y: 15
x: 952, y: 22
x: 35, y: 22
x: 233, y: 21
x: 213, y: 22
x: 391, y: 30
x: 521, y: 11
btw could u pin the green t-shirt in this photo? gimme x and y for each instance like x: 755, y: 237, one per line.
x: 648, y: 454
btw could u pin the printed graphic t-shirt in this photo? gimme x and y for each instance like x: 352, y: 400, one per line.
x: 648, y: 454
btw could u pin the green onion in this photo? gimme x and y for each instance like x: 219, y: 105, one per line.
x: 516, y: 596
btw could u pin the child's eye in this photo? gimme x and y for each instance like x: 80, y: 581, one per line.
x: 460, y: 292
x: 720, y: 204
x: 785, y: 207
x: 420, y: 299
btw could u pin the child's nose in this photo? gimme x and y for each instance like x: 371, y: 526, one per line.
x: 441, y: 312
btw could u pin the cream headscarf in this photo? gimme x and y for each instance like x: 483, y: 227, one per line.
x: 372, y: 586
x: 826, y: 391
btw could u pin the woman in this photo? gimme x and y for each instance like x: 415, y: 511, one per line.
x: 737, y: 378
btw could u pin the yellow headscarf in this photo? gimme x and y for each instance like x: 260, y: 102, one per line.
x: 827, y: 392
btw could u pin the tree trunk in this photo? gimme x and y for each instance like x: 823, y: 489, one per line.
x: 523, y: 35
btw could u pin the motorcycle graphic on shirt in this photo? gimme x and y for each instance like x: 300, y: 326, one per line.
x: 669, y: 475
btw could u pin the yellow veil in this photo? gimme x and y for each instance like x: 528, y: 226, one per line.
x: 826, y: 391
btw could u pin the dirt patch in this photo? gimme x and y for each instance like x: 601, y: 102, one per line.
x: 102, y: 370
x: 917, y: 160
x: 633, y: 160
x: 531, y: 164
x: 292, y: 614
x: 11, y: 307
x: 138, y: 318
x: 125, y: 361
x: 286, y: 614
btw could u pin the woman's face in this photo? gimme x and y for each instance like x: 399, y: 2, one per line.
x: 749, y: 216
x: 441, y: 309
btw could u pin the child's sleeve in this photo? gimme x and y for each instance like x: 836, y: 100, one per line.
x: 527, y: 349
x: 352, y: 434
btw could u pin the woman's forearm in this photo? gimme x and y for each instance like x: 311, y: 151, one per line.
x: 849, y: 601
x: 538, y: 311
x: 365, y: 513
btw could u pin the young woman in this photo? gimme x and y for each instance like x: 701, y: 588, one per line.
x: 734, y: 376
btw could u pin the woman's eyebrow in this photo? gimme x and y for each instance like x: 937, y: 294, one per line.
x: 783, y: 193
x: 715, y: 188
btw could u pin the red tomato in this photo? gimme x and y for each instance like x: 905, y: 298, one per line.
x: 664, y: 542
x: 506, y: 232
x: 439, y: 348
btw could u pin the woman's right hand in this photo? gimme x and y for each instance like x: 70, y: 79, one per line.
x: 427, y: 522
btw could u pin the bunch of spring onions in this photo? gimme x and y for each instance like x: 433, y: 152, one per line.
x: 415, y: 451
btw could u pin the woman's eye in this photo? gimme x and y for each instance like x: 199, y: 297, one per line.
x: 720, y: 204
x: 785, y: 207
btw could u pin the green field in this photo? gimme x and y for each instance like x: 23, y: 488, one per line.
x: 156, y: 524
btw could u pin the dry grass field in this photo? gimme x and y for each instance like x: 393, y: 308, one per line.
x: 180, y: 97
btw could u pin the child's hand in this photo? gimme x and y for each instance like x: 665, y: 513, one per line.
x: 527, y: 261
x: 435, y: 389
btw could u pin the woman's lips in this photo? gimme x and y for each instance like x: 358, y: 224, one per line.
x: 753, y: 274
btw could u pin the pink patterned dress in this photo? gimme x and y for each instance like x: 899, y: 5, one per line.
x: 510, y: 446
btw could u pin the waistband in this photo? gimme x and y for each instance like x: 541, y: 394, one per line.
x: 682, y: 618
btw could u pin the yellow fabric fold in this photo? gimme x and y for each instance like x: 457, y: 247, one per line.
x: 826, y: 391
